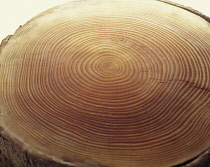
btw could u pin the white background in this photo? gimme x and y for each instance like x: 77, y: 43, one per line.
x: 14, y: 13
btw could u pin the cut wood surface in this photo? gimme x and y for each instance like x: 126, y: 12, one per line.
x: 109, y: 84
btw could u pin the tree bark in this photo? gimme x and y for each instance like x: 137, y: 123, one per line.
x: 43, y: 119
x: 13, y: 155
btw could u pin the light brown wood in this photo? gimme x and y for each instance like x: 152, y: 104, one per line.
x: 109, y: 84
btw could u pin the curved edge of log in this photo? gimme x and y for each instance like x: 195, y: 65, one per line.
x: 189, y: 9
x: 12, y: 154
x: 4, y: 42
x: 202, y: 160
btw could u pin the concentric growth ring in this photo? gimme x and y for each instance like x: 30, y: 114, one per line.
x: 100, y: 85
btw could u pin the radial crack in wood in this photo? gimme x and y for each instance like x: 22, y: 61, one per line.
x: 107, y: 84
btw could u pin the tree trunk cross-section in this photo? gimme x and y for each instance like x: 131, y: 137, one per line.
x: 107, y: 83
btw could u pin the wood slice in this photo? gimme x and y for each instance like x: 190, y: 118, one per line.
x: 109, y: 83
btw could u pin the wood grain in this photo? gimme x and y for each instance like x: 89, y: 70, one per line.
x: 109, y: 83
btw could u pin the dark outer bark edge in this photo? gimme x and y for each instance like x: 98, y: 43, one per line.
x: 12, y: 153
x: 4, y: 42
x: 203, y: 159
x: 189, y: 9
